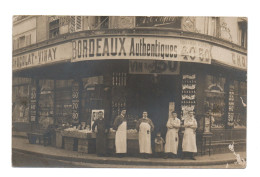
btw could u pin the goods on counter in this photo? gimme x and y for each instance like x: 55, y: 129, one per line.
x: 132, y: 131
x: 111, y: 130
x: 73, y: 132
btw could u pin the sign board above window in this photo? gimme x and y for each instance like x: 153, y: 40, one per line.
x: 156, y: 21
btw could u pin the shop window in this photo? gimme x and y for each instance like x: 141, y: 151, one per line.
x: 54, y: 28
x: 92, y: 97
x: 63, y: 102
x: 20, y: 100
x: 46, y: 103
x: 240, y: 104
x: 215, y: 99
x: 76, y: 23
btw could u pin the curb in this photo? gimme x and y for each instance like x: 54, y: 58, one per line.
x: 107, y: 160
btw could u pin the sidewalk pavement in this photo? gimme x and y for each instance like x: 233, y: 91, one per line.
x: 22, y: 145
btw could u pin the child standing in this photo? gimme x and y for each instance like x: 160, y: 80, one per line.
x: 158, y: 145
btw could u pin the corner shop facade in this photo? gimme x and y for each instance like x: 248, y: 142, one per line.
x: 61, y: 81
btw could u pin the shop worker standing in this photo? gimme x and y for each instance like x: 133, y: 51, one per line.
x: 145, y: 127
x: 120, y: 125
x: 101, y: 135
x: 172, y: 139
x: 189, y: 146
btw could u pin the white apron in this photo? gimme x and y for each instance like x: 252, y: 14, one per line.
x: 145, y: 138
x: 172, y: 141
x: 120, y: 139
x: 189, y: 139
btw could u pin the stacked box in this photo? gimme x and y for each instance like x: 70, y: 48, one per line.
x: 68, y: 143
x: 83, y: 145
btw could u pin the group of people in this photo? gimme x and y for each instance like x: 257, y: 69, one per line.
x: 145, y: 127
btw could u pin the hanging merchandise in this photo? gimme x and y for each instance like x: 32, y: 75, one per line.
x: 231, y: 103
x: 188, y: 94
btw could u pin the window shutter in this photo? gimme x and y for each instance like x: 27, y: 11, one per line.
x: 72, y: 24
x: 78, y: 23
x: 75, y: 23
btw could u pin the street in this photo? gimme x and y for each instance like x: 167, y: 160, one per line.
x: 28, y: 160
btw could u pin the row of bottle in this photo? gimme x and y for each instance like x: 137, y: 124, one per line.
x: 189, y: 82
x: 117, y: 107
x: 188, y: 102
x: 119, y: 79
x: 188, y: 92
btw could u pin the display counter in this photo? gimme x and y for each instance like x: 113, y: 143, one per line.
x: 85, y: 141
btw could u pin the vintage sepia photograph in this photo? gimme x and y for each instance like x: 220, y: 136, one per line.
x: 129, y: 91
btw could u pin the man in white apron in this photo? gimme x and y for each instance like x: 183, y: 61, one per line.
x: 172, y: 139
x: 189, y: 146
x: 145, y: 127
x: 120, y: 125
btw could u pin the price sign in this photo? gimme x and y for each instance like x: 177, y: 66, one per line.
x: 231, y: 106
x: 33, y: 103
x: 75, y: 102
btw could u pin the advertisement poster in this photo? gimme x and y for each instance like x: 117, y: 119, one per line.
x: 94, y: 115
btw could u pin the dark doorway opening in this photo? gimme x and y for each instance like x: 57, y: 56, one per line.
x: 152, y: 93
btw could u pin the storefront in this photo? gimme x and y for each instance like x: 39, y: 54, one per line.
x: 70, y: 81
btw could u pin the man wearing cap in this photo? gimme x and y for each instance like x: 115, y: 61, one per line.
x: 189, y: 146
x: 145, y: 127
x: 120, y: 125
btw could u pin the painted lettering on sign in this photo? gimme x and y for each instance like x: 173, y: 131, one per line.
x: 43, y: 56
x: 231, y: 58
x: 170, y: 49
x: 153, y: 67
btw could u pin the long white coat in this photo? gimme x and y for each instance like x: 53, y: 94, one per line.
x: 172, y: 139
x: 145, y: 138
x: 189, y: 137
x: 121, y: 138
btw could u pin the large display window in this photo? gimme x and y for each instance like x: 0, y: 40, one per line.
x: 240, y: 104
x: 215, y: 100
x: 46, y: 103
x: 63, y: 100
x: 21, y: 99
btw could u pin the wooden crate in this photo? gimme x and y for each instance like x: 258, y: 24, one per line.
x: 68, y: 143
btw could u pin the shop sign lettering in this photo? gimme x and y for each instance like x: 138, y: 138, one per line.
x: 43, y: 56
x: 158, y: 21
x: 153, y: 67
x: 230, y: 58
x: 149, y: 48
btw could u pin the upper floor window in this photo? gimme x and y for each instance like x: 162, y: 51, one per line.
x: 22, y: 41
x: 102, y: 22
x: 54, y: 30
x: 75, y: 23
x: 215, y: 27
x: 242, y: 33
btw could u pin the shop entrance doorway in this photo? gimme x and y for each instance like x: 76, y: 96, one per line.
x: 152, y: 93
